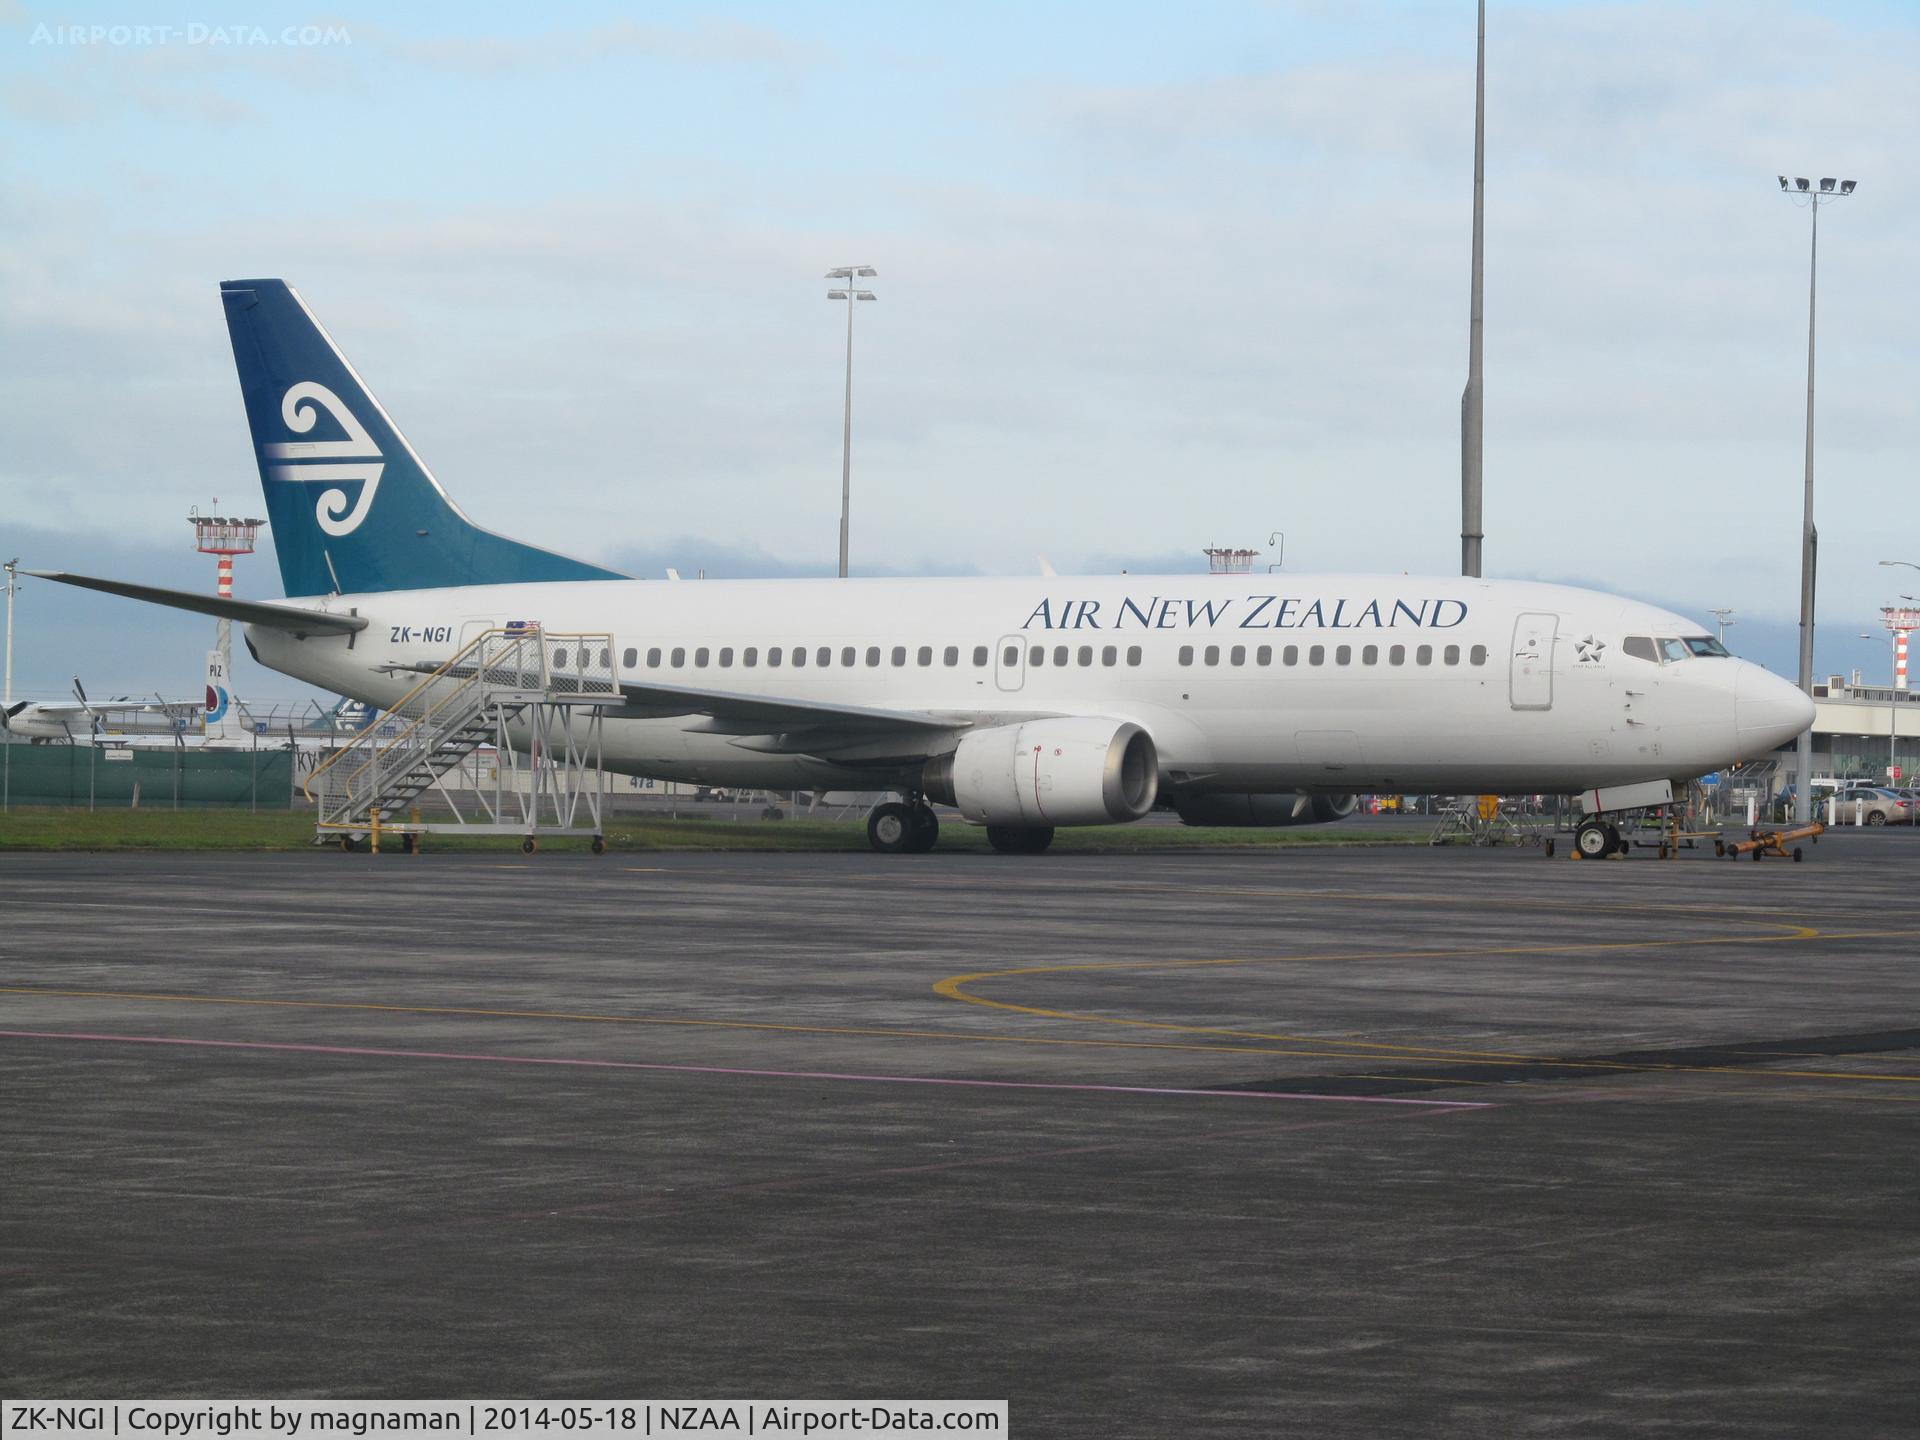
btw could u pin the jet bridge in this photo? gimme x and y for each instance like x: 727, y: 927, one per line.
x: 539, y: 699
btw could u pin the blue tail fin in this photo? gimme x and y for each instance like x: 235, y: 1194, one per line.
x: 353, y: 509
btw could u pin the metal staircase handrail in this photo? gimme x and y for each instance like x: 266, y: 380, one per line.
x: 371, y: 739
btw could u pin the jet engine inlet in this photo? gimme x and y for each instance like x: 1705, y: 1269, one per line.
x: 1070, y: 771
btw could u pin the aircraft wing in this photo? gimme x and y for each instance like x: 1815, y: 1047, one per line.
x: 779, y: 725
x: 290, y: 618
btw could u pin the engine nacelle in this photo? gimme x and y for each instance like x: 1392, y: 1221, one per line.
x: 1265, y: 810
x: 1070, y: 771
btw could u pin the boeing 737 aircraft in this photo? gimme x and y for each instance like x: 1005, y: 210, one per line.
x: 1025, y: 703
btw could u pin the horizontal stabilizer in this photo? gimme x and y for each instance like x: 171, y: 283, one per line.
x: 249, y: 612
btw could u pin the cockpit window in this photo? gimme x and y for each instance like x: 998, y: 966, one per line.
x: 1672, y: 649
x: 1641, y: 648
x: 1705, y: 645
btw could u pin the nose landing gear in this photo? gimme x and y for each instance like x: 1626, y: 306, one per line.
x: 1596, y: 839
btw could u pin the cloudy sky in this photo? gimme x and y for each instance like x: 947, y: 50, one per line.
x: 1151, y: 277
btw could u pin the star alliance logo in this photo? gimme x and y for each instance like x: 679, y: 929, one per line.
x: 1591, y: 651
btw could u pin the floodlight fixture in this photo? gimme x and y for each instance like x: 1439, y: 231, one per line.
x: 1846, y: 186
x: 1803, y: 182
x: 864, y: 295
x: 844, y: 272
x: 1827, y: 184
x: 836, y: 294
x: 1783, y: 182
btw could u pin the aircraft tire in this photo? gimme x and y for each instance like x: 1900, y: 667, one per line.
x: 891, y: 829
x: 1593, y: 841
x: 1019, y: 840
x: 926, y: 830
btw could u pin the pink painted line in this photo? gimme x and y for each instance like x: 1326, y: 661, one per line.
x: 585, y: 1064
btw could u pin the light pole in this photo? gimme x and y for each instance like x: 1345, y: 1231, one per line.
x: 848, y: 273
x: 1802, y: 188
x: 1725, y: 617
x: 1472, y: 530
x: 6, y: 781
x: 13, y: 581
x: 1893, y: 727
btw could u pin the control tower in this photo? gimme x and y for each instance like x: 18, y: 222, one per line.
x: 225, y: 537
x: 1902, y: 621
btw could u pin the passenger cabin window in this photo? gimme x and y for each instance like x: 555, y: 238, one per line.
x: 679, y: 656
x: 1451, y: 655
x: 629, y: 657
x: 560, y: 659
x: 1012, y: 656
x: 1085, y: 657
x: 1037, y: 655
x: 1237, y: 655
x: 873, y: 655
x: 799, y: 656
x: 726, y: 656
x: 1317, y: 655
x: 824, y: 657
x: 980, y: 655
x: 1397, y: 655
x: 950, y: 656
x: 1370, y: 655
x: 1133, y: 655
x: 1290, y: 655
x: 700, y: 657
x: 653, y: 658
x: 1186, y: 654
x: 1343, y: 655
x: 899, y: 654
x: 1059, y: 654
x: 1109, y: 655
x: 751, y: 656
x: 1478, y: 654
x: 1264, y: 655
x: 1423, y: 656
x: 1641, y: 648
x: 1212, y: 655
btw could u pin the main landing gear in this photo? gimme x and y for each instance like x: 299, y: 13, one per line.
x: 894, y: 828
x: 1596, y: 839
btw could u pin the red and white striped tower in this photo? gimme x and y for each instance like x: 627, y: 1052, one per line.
x: 225, y: 537
x: 1902, y: 622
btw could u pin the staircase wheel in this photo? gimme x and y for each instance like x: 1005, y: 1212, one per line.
x: 599, y: 844
x: 349, y: 844
x: 410, y: 844
x: 529, y: 845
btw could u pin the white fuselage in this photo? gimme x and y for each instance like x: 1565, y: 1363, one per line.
x: 1257, y: 683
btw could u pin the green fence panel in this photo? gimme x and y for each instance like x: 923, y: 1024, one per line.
x: 153, y: 779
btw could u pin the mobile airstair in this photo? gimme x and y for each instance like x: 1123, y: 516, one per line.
x: 536, y: 700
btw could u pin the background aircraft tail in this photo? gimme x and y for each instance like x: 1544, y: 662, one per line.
x: 222, y: 722
x: 352, y: 507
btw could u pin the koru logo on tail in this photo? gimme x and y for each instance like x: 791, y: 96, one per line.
x: 354, y: 458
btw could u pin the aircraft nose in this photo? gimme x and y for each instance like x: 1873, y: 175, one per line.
x: 1767, y: 711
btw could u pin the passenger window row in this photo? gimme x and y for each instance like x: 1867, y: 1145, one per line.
x: 1342, y: 655
x: 1060, y: 656
x: 820, y: 657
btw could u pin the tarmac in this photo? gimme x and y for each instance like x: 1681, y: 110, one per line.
x: 1370, y: 1142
